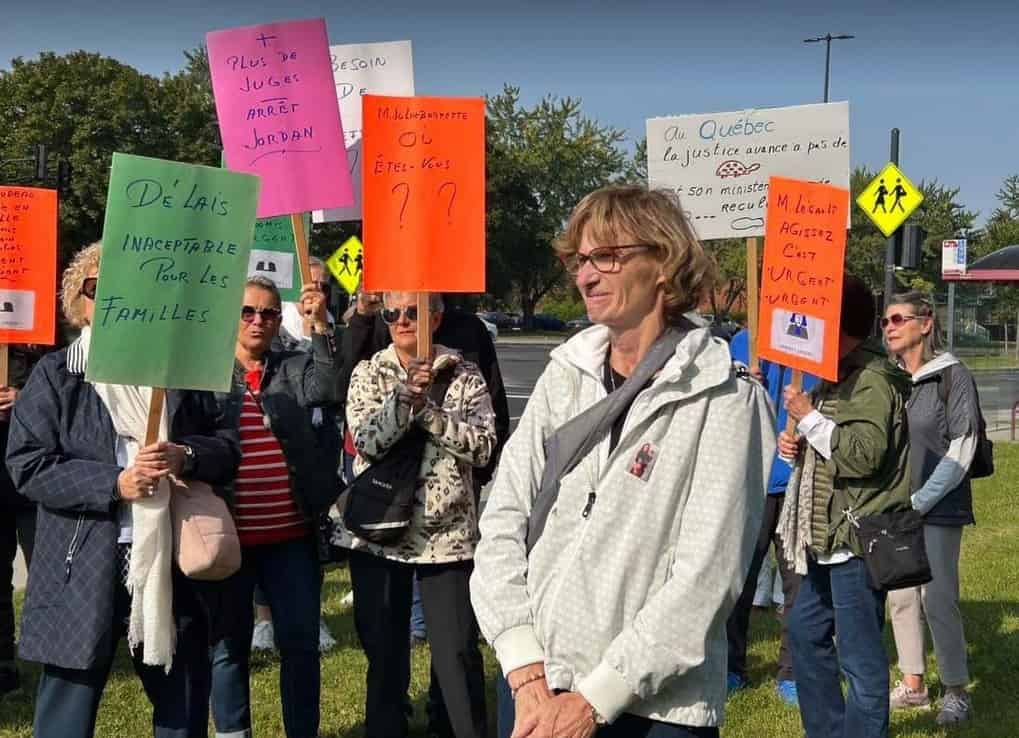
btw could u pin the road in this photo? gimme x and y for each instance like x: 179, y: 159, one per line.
x: 521, y: 365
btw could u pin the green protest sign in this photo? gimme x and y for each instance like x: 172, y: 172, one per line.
x: 171, y: 280
x: 274, y: 254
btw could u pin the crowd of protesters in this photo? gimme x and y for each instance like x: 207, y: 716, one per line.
x: 612, y: 567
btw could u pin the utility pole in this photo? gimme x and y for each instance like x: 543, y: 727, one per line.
x: 892, y: 239
x: 827, y: 38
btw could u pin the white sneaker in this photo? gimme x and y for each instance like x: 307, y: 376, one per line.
x: 955, y: 708
x: 263, y: 638
x: 326, y: 641
x: 903, y: 697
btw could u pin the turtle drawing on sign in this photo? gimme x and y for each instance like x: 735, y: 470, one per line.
x: 797, y: 326
x: 733, y: 168
x: 879, y: 198
x: 8, y: 307
x: 899, y: 192
x: 265, y: 266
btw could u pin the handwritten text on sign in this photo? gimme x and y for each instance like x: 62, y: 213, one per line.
x: 28, y: 265
x: 801, y: 284
x: 720, y: 163
x: 277, y: 110
x: 175, y: 256
x: 365, y: 69
x: 424, y: 194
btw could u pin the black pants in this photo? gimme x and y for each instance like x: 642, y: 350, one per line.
x: 382, y: 597
x: 738, y: 624
x: 17, y: 526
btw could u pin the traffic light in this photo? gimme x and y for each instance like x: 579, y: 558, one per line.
x: 40, y: 162
x: 911, y: 255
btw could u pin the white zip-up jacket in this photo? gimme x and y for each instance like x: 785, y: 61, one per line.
x: 627, y: 604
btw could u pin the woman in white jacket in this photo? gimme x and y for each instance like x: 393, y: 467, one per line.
x: 606, y: 600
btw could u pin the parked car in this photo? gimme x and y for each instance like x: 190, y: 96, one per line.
x: 493, y: 330
x: 548, y: 323
x: 579, y: 324
x: 500, y: 320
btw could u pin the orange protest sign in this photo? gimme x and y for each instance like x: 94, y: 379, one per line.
x: 28, y: 265
x: 424, y: 194
x: 801, y: 283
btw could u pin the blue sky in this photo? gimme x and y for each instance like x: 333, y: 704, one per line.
x: 945, y: 73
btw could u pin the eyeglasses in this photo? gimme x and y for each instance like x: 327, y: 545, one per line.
x: 898, y: 319
x: 605, y: 259
x: 268, y: 315
x: 392, y: 315
x: 88, y: 287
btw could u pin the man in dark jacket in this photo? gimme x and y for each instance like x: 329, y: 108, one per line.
x: 17, y: 518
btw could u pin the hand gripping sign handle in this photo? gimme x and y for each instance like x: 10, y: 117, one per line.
x: 155, y: 414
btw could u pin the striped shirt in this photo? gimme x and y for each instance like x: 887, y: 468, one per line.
x: 264, y: 508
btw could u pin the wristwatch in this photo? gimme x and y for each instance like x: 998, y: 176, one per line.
x: 189, y: 461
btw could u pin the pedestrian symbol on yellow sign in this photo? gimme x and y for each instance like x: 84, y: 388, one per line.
x: 889, y: 199
x: 347, y: 264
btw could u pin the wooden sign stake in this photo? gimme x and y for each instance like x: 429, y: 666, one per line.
x: 155, y: 415
x: 301, y: 246
x: 4, y: 365
x: 797, y: 384
x: 424, y: 327
x: 752, y: 300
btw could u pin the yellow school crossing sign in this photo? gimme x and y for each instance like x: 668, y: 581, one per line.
x: 347, y: 264
x: 889, y: 199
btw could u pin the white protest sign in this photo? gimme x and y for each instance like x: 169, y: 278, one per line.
x: 364, y: 69
x: 719, y: 163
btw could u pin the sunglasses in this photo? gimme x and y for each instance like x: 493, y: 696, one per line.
x: 897, y: 319
x: 268, y: 315
x: 88, y: 287
x: 391, y: 316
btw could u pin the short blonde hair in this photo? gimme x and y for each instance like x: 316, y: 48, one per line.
x: 73, y: 278
x: 653, y: 218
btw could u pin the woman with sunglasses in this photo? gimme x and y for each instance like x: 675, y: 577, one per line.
x: 102, y: 501
x: 389, y: 395
x: 287, y: 476
x: 944, y: 416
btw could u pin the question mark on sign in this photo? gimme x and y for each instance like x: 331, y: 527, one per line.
x: 452, y: 197
x: 406, y: 197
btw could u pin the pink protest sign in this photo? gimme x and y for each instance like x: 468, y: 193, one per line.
x: 278, y: 114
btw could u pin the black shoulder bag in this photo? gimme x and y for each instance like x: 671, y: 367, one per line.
x: 379, y: 503
x: 894, y: 549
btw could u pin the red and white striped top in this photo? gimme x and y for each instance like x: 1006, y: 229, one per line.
x: 264, y: 508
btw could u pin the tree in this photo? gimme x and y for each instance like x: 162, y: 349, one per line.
x: 541, y: 162
x: 83, y: 107
x: 189, y: 111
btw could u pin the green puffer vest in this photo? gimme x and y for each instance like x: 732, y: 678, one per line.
x: 868, y: 472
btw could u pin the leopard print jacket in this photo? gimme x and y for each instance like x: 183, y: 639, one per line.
x: 444, y: 526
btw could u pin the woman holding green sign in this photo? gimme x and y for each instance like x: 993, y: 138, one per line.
x: 71, y: 451
x: 284, y: 481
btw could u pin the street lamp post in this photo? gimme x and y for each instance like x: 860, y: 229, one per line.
x: 827, y: 38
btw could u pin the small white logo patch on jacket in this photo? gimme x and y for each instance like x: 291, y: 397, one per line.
x: 644, y: 461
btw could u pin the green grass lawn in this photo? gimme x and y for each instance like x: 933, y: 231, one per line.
x: 990, y: 583
x: 990, y: 363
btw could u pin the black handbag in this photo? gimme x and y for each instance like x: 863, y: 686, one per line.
x: 379, y: 504
x: 894, y: 550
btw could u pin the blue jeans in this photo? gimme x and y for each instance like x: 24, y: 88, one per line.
x: 625, y: 726
x: 288, y: 574
x: 838, y: 601
x: 417, y: 613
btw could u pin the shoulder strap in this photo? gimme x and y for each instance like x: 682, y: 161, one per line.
x: 945, y: 385
x: 571, y: 442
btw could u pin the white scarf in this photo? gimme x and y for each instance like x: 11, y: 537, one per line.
x: 150, y: 579
x: 794, y: 520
